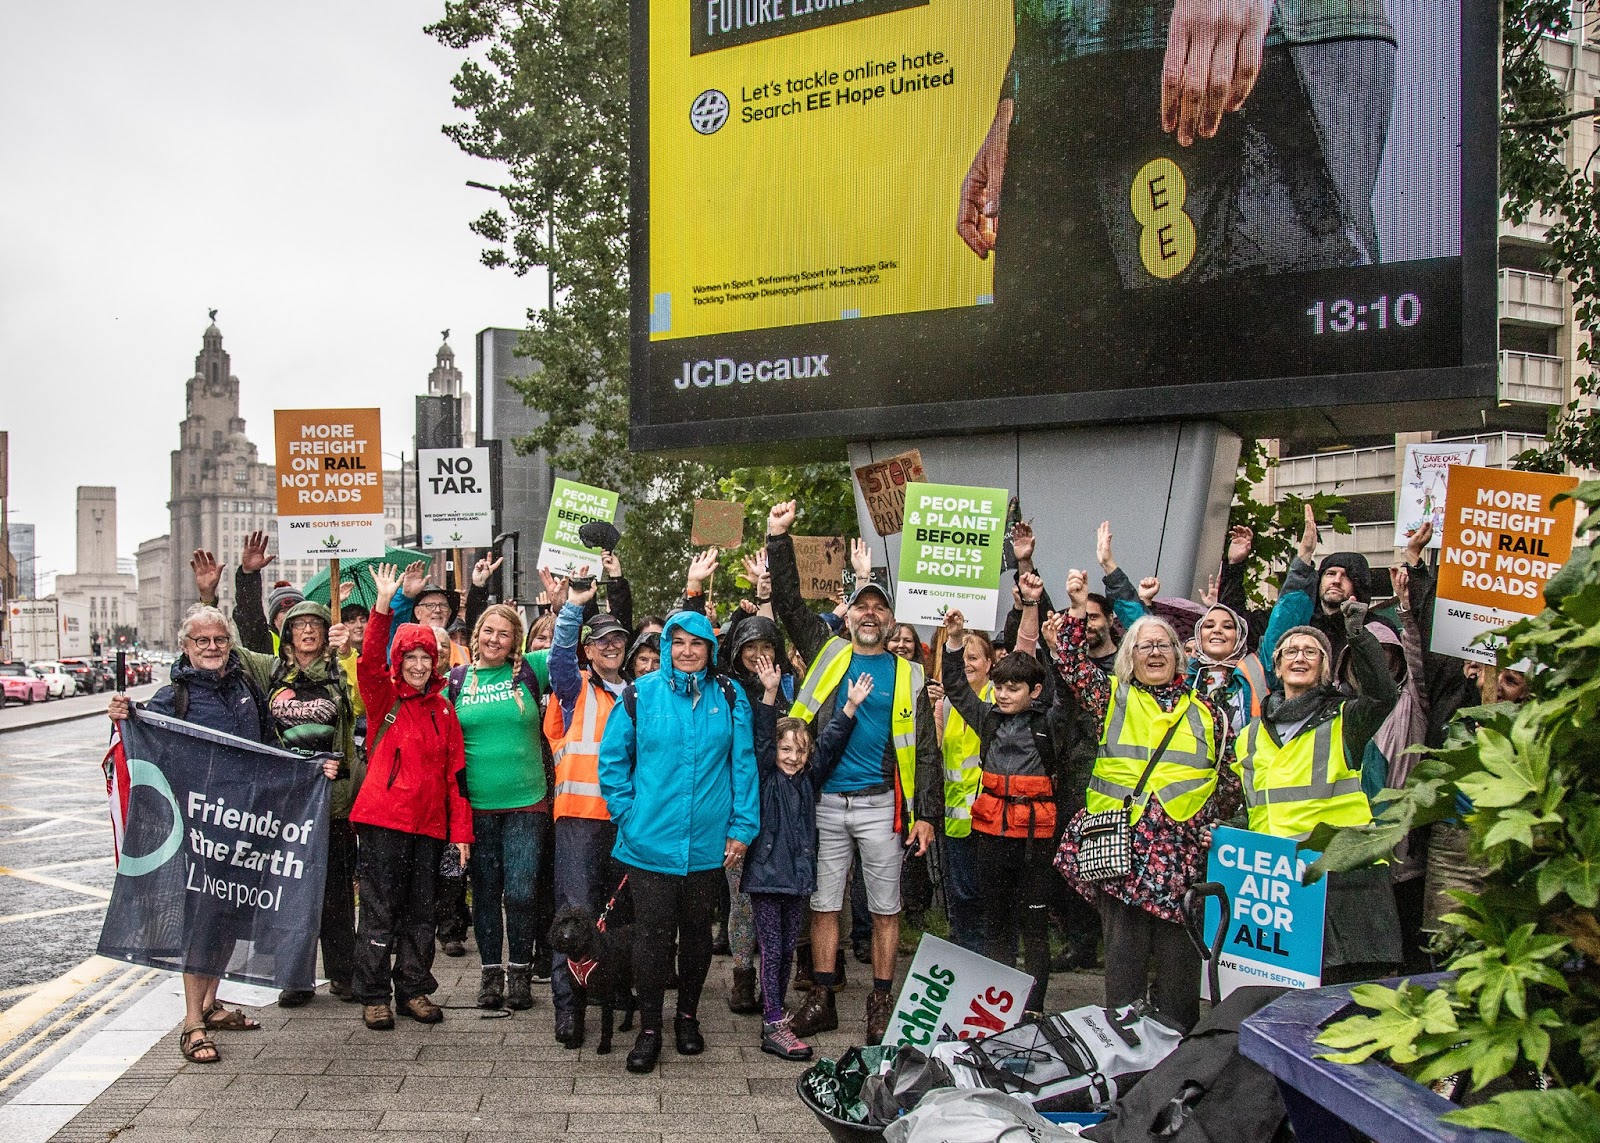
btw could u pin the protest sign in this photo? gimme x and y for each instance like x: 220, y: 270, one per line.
x: 950, y: 554
x: 457, y: 508
x: 1274, y: 933
x: 717, y: 524
x: 572, y: 505
x: 883, y: 486
x: 952, y: 993
x: 1502, y: 543
x: 1422, y: 488
x: 330, y: 483
x: 223, y: 856
x: 821, y: 563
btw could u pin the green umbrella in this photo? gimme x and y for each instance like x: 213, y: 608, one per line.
x: 359, y: 572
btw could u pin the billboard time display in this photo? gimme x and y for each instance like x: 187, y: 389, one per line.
x: 886, y: 216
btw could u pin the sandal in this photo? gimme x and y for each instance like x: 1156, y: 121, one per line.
x: 222, y: 1019
x: 195, y: 1045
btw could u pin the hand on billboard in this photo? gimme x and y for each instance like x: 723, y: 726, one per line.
x: 1213, y: 59
x: 978, y: 220
x: 254, y: 556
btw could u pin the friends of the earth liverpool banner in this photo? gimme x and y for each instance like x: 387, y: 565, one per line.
x: 223, y: 856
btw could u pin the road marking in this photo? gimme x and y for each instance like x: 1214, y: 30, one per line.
x: 47, y: 913
x: 56, y: 882
x: 24, y: 811
x: 52, y: 994
x: 68, y: 864
x: 114, y: 990
x: 18, y: 836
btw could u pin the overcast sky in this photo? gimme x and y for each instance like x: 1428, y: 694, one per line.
x: 281, y: 162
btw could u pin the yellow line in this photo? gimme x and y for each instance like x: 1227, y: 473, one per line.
x: 118, y: 987
x: 24, y: 811
x: 46, y: 913
x: 48, y: 836
x: 21, y: 990
x: 56, y: 882
x: 50, y: 996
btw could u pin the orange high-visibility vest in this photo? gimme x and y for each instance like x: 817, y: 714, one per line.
x: 577, y: 752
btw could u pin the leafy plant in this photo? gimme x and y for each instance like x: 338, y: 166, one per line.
x: 1526, y: 952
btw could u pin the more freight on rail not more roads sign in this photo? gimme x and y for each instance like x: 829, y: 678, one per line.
x: 330, y: 483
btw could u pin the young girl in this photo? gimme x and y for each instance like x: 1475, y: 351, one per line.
x: 780, y: 870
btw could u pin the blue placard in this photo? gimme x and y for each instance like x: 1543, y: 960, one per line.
x: 1274, y: 922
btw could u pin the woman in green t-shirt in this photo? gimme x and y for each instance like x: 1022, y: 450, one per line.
x: 497, y: 703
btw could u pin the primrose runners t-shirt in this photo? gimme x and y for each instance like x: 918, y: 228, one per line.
x: 504, y: 767
x: 861, y: 766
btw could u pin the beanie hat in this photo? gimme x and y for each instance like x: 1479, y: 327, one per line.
x: 1310, y: 633
x: 1355, y: 566
x: 283, y: 595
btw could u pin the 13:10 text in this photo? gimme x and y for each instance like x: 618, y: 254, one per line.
x: 1345, y: 316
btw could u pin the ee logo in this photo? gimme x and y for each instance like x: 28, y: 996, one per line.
x: 1166, y: 235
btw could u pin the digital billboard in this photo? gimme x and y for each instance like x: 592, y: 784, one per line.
x: 867, y: 217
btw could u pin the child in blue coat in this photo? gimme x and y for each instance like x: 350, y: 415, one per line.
x: 780, y: 870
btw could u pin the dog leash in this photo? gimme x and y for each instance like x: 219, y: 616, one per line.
x: 582, y: 969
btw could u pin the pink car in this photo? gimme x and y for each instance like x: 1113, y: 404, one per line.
x: 21, y: 685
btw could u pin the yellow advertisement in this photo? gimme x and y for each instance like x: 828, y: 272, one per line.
x: 806, y: 158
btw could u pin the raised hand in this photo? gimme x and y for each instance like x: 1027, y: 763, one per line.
x: 384, y: 581
x: 581, y: 596
x: 859, y: 690
x: 1078, y: 591
x: 347, y: 587
x: 1400, y: 582
x: 484, y: 570
x: 1209, y: 595
x: 1418, y: 543
x: 611, y: 565
x: 1050, y: 630
x: 861, y: 560
x: 117, y: 709
x: 701, y: 568
x: 1240, y: 540
x: 1149, y: 587
x: 207, y: 574
x: 1102, y: 548
x: 1022, y: 542
x: 769, y: 676
x: 1030, y: 589
x: 955, y: 629
x: 254, y: 556
x: 414, y: 578
x: 1308, y: 535
x: 781, y: 518
x: 1355, y: 615
x: 338, y: 638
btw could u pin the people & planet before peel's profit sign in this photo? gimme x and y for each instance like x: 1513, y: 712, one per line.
x: 889, y: 217
x: 330, y: 483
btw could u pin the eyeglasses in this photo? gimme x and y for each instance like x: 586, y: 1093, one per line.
x: 432, y: 605
x: 1152, y: 647
x: 210, y: 640
x: 1310, y: 654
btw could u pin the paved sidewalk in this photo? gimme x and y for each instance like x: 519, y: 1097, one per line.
x: 317, y: 1073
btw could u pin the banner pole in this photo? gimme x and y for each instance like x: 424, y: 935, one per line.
x: 457, y: 554
x: 122, y: 671
x: 938, y: 655
x: 333, y: 588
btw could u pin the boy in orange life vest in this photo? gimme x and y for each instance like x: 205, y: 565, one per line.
x: 1014, y: 814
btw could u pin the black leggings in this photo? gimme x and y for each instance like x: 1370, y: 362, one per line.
x: 1133, y: 938
x: 668, y: 906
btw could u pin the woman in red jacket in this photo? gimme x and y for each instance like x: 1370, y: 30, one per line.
x: 413, y: 803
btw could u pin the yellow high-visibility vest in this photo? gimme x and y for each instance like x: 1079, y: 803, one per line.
x: 1135, y: 724
x: 963, y: 769
x: 1291, y: 786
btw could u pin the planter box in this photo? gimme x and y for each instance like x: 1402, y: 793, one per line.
x: 1328, y: 1102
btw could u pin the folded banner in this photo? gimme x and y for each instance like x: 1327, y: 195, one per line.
x: 223, y: 856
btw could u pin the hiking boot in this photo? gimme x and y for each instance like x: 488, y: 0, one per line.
x: 541, y: 964
x: 295, y: 997
x: 378, y: 1017
x: 569, y: 1028
x: 646, y: 1051
x: 802, y: 968
x: 686, y: 1031
x: 422, y: 1010
x: 455, y: 947
x: 817, y: 1014
x: 743, y: 999
x: 519, y: 986
x: 492, y: 988
x: 341, y: 992
x: 880, y: 1006
x: 779, y: 1040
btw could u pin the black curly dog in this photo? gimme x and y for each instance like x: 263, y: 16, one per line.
x: 610, y: 983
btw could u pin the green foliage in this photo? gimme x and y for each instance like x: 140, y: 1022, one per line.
x: 1526, y: 952
x: 1276, y: 526
x: 826, y: 498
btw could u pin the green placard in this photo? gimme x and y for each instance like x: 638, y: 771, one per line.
x: 950, y: 552
x: 572, y: 505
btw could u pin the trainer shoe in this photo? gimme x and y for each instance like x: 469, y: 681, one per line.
x: 779, y: 1040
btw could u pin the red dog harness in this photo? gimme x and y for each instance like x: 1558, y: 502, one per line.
x: 581, y: 969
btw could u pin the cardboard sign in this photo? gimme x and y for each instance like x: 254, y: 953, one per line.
x: 821, y: 562
x: 456, y: 504
x: 883, y: 486
x: 950, y: 554
x: 953, y: 993
x: 1422, y: 489
x: 572, y: 505
x: 1502, y: 543
x: 1274, y: 922
x: 330, y: 483
x: 717, y: 524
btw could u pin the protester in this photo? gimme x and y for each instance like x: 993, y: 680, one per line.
x: 888, y: 784
x: 780, y: 870
x: 644, y: 655
x: 541, y: 634
x: 1013, y: 815
x: 1299, y: 764
x: 1160, y: 744
x: 1223, y: 669
x: 574, y: 724
x: 432, y: 606
x: 678, y: 773
x: 1313, y: 596
x: 218, y: 685
x: 405, y: 819
x: 497, y: 702
x: 963, y: 777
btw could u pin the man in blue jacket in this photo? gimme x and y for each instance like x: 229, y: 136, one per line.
x: 678, y: 773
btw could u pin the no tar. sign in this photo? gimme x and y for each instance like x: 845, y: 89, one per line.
x: 457, y: 509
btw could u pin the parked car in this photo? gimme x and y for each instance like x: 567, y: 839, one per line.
x: 107, y: 670
x: 84, y: 674
x: 59, y: 683
x: 21, y: 684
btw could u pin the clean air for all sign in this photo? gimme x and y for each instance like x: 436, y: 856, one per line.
x: 330, y: 483
x: 1274, y: 923
x: 456, y: 508
x: 950, y: 551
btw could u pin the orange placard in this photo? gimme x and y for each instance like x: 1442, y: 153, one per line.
x: 1503, y: 541
x: 330, y: 482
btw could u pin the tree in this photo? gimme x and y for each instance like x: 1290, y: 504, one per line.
x: 1276, y: 527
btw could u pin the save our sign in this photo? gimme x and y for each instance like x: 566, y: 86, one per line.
x: 457, y: 508
x: 950, y: 553
x: 951, y: 992
x: 572, y: 505
x: 1274, y: 922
